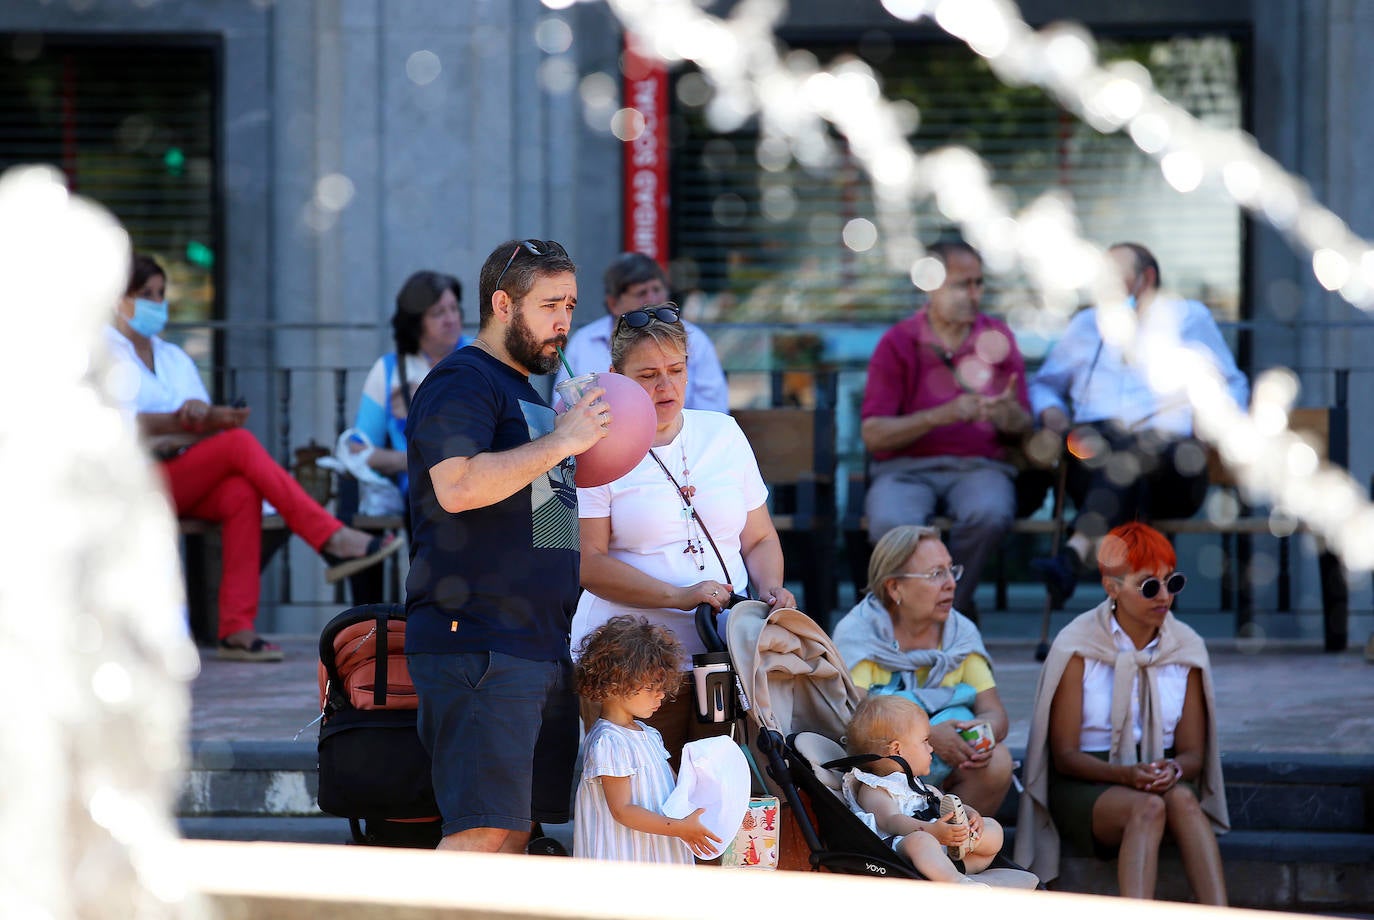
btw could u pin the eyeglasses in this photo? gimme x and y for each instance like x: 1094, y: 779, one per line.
x: 638, y: 319
x: 954, y: 572
x: 534, y: 248
x: 1174, y: 584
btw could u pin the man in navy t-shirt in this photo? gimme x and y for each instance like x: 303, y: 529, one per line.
x: 494, y: 569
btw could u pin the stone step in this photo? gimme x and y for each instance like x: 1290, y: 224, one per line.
x: 1301, y: 842
x: 266, y: 828
x: 1296, y: 871
x: 1299, y: 792
x: 250, y: 778
x: 1303, y: 871
x: 298, y: 829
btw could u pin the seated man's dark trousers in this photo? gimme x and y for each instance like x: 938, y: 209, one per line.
x: 1115, y: 476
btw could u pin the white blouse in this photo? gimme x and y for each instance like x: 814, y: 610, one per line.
x: 1096, y: 731
x: 173, y: 379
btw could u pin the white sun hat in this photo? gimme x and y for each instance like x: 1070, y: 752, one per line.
x: 714, y: 776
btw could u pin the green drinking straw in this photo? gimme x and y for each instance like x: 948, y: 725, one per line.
x: 566, y: 366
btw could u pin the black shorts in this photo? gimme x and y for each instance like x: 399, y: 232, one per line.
x: 502, y: 734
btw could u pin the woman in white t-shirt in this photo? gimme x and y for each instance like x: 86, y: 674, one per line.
x: 644, y: 552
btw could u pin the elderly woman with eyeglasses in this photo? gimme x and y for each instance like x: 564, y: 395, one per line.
x: 1123, y: 742
x: 687, y: 526
x: 905, y: 637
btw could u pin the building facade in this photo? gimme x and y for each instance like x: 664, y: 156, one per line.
x: 294, y: 161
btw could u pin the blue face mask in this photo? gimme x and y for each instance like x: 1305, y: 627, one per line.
x: 150, y: 317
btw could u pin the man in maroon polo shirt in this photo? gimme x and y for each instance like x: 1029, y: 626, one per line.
x: 945, y: 387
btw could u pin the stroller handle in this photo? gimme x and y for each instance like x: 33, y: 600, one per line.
x: 706, y: 623
x: 706, y: 628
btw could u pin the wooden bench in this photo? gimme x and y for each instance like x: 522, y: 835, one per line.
x: 1326, y: 429
x: 795, y: 449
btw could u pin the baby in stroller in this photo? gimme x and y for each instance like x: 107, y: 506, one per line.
x: 886, y: 793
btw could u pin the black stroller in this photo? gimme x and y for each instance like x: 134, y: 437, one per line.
x: 374, y: 771
x: 793, y: 686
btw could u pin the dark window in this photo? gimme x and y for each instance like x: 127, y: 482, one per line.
x: 759, y: 242
x: 131, y: 123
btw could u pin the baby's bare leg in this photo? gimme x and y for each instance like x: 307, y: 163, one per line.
x: 986, y: 849
x: 929, y: 857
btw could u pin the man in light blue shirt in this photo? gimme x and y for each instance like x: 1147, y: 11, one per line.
x: 634, y: 280
x: 1136, y: 458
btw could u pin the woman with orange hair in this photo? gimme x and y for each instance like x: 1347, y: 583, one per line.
x: 1123, y: 739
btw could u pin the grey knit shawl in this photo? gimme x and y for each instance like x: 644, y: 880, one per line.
x: 866, y: 634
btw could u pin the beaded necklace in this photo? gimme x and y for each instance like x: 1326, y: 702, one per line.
x: 685, y: 490
x: 696, y: 526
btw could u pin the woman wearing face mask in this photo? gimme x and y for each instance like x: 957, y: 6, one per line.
x: 216, y: 470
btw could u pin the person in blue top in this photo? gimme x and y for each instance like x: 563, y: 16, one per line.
x: 494, y: 561
x: 427, y: 327
x: 1135, y: 457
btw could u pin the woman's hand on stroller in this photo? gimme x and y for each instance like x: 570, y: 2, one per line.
x: 693, y: 833
x: 778, y: 597
x: 715, y: 593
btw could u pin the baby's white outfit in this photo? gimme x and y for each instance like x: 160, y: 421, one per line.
x: 922, y: 803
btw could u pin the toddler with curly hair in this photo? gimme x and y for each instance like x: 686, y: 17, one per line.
x: 629, y: 665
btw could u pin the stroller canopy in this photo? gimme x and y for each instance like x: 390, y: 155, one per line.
x: 791, y: 673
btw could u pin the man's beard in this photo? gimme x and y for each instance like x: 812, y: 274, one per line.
x: 525, y: 351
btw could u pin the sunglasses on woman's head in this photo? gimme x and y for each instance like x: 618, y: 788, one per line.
x: 1149, y: 588
x: 638, y: 319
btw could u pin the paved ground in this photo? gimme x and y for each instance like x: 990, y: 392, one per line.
x: 1284, y: 697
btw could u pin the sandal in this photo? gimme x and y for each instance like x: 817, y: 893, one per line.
x: 258, y: 650
x: 378, y: 548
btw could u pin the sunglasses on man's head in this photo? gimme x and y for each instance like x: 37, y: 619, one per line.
x: 534, y: 248
x: 1149, y: 588
x: 638, y: 319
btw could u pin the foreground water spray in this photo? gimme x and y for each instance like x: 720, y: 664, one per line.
x: 93, y: 643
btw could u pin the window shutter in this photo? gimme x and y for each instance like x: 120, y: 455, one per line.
x: 761, y: 242
x: 131, y: 123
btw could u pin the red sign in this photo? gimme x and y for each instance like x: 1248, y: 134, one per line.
x: 646, y: 157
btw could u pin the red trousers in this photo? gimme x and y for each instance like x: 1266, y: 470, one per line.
x: 225, y: 478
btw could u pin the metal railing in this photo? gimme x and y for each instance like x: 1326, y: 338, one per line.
x: 308, y: 403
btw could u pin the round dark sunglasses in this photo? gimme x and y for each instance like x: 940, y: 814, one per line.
x: 1175, y: 583
x: 638, y: 319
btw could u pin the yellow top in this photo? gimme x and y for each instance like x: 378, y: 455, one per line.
x: 975, y: 672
